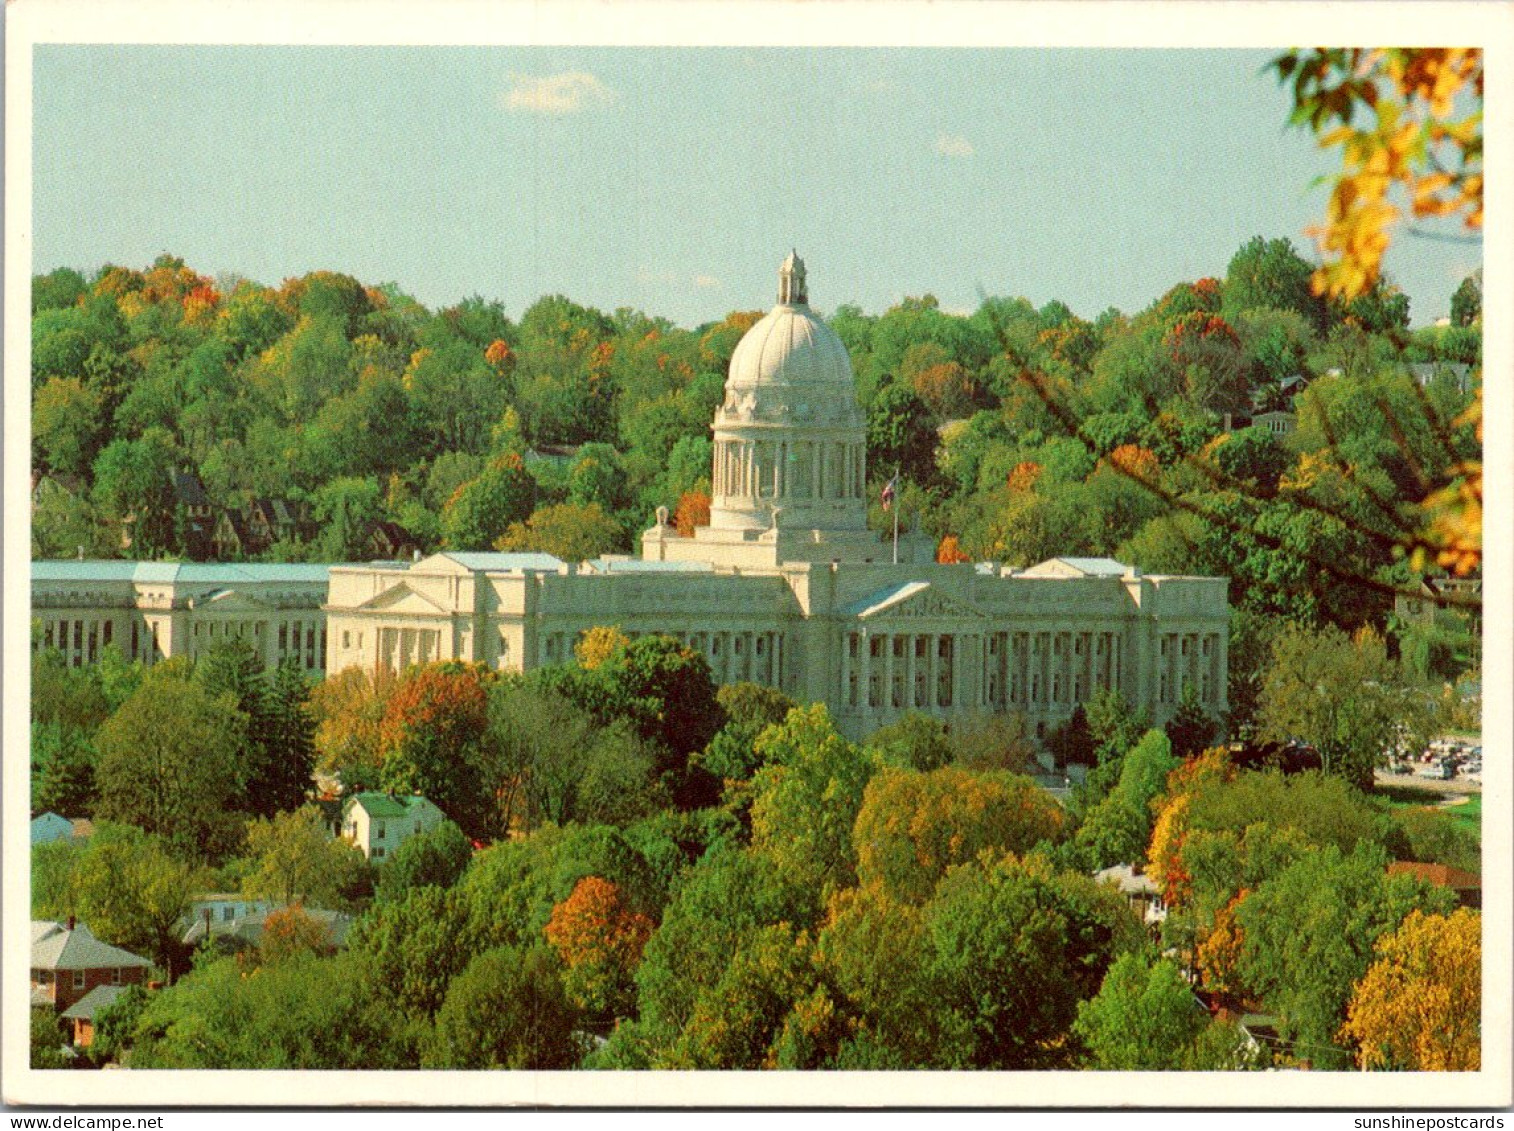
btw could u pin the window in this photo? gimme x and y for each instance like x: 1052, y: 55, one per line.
x: 378, y: 853
x: 78, y: 979
x: 228, y: 914
x: 378, y: 830
x: 115, y: 976
x: 346, y: 639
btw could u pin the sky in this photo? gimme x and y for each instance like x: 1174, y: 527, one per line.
x: 674, y: 180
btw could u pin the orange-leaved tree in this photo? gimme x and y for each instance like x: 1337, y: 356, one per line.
x: 599, y: 939
x: 1419, y: 1006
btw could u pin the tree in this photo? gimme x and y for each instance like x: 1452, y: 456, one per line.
x: 303, y: 1013
x: 1417, y: 1008
x: 1270, y: 273
x: 66, y: 420
x: 570, y: 531
x: 293, y: 857
x: 134, y: 893
x: 914, y: 741
x: 168, y: 761
x: 347, y: 708
x: 483, y: 509
x: 599, y: 940
x: 1308, y: 937
x: 506, y: 1010
x: 912, y: 828
x: 1343, y: 696
x: 430, y: 735
x: 806, y: 799
x: 277, y: 755
x: 1466, y: 302
x: 1191, y: 727
x: 290, y: 932
x: 436, y: 858
x: 1143, y: 1019
x: 1014, y: 947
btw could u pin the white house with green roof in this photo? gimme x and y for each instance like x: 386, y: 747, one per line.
x: 378, y: 823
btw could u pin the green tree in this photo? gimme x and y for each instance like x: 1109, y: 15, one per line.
x: 1014, y: 947
x: 482, y: 510
x: 168, y: 761
x: 506, y: 1010
x: 1191, y: 727
x: 1143, y: 1019
x: 806, y: 799
x: 305, y: 1013
x: 1270, y: 273
x: 1466, y: 302
x: 436, y: 858
x: 914, y: 741
x: 293, y: 858
x: 569, y: 531
x: 1308, y: 937
x: 1344, y: 697
x: 134, y: 893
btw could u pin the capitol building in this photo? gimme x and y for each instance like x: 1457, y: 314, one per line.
x: 786, y: 586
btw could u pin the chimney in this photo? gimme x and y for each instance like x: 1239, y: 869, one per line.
x: 70, y: 922
x: 415, y: 555
x: 81, y: 553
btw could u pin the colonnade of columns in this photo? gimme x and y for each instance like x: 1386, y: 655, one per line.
x: 900, y: 671
x: 1190, y: 659
x: 81, y: 639
x: 734, y: 657
x: 789, y: 469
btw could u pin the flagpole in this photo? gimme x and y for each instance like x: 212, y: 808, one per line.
x: 896, y: 518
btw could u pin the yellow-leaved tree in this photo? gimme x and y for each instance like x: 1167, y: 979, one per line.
x: 1419, y: 1006
x: 1409, y: 125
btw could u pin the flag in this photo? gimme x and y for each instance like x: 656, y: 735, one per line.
x: 888, y: 491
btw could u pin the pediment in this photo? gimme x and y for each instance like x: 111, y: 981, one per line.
x: 228, y: 601
x: 402, y: 598
x: 913, y: 600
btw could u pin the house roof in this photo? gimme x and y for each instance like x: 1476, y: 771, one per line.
x: 55, y: 947
x: 1442, y: 874
x: 247, y: 930
x: 637, y: 565
x: 93, y: 1003
x: 387, y: 805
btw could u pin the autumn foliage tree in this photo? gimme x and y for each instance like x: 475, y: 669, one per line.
x: 429, y: 737
x: 693, y: 511
x: 913, y: 827
x: 1419, y: 1006
x: 599, y: 940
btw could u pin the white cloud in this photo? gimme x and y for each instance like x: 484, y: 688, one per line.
x: 567, y: 93
x: 953, y: 145
x: 706, y: 281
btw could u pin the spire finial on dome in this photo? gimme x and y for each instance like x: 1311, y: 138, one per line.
x: 791, y: 288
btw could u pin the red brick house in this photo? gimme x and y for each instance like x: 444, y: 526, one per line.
x: 68, y: 962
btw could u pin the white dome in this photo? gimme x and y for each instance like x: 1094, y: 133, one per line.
x: 790, y: 368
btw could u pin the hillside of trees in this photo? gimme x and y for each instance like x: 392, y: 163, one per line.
x: 640, y: 871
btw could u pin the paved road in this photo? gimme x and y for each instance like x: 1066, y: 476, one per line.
x: 1428, y: 785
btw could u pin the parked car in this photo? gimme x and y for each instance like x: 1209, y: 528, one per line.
x: 1441, y: 771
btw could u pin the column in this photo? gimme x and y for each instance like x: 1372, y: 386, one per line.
x: 865, y: 682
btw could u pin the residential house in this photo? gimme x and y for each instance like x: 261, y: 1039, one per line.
x: 83, y: 1014
x: 391, y: 542
x: 1468, y: 888
x: 68, y: 961
x: 1139, y: 890
x: 245, y: 932
x: 48, y: 827
x: 1427, y: 371
x: 378, y: 823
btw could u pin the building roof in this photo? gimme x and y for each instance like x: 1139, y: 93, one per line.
x: 1089, y: 567
x: 55, y: 947
x: 638, y: 565
x: 247, y: 930
x: 387, y: 805
x: 93, y: 1003
x: 202, y: 573
x: 503, y: 563
x: 1442, y: 874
